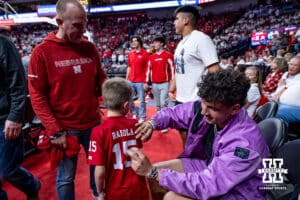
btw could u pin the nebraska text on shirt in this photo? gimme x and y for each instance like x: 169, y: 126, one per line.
x: 78, y: 61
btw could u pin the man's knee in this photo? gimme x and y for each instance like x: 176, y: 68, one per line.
x: 173, y: 196
x: 169, y: 196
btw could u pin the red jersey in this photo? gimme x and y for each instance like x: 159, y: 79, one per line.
x: 138, y: 63
x: 63, y: 79
x: 161, y: 67
x: 109, y: 143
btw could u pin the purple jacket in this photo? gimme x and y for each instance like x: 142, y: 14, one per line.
x: 238, y: 150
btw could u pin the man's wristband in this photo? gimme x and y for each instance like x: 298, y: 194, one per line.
x: 153, y: 124
x: 56, y: 135
x: 172, y: 92
x: 154, y: 173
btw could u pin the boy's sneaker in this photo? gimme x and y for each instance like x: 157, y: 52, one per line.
x: 164, y: 130
x: 99, y: 197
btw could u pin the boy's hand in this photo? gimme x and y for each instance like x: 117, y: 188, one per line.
x: 144, y: 131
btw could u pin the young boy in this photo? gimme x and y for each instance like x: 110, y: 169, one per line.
x: 109, y: 143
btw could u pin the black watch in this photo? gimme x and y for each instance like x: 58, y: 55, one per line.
x: 153, y: 174
x: 56, y: 135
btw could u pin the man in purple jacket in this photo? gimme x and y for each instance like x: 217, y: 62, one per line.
x: 224, y: 146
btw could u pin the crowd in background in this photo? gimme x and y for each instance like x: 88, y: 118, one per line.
x: 231, y: 33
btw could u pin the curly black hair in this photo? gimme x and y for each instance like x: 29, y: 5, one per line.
x: 228, y: 87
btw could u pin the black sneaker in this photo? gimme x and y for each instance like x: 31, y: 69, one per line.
x: 35, y: 196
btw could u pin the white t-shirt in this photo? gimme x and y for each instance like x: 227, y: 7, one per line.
x: 193, y: 54
x: 291, y: 96
x: 289, y: 81
x: 253, y: 97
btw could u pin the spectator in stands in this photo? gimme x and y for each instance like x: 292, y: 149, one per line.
x: 297, y: 45
x: 107, y: 144
x: 287, y: 93
x: 224, y: 147
x: 194, y: 55
x: 280, y: 53
x: 12, y: 105
x: 121, y: 57
x: 65, y: 78
x: 25, y: 62
x: 138, y: 60
x: 290, y: 77
x: 278, y: 67
x: 160, y: 72
x: 254, y: 93
x: 288, y: 56
x: 240, y: 60
x: 224, y: 63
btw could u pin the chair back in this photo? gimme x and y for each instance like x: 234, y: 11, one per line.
x: 290, y: 153
x: 274, y: 131
x: 267, y: 110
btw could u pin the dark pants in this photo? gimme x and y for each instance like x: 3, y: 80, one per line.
x: 11, y: 155
x: 67, y: 169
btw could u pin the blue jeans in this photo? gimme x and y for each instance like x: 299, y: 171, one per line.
x: 138, y: 88
x: 288, y: 113
x: 297, y: 47
x: 11, y: 155
x: 160, y: 93
x: 67, y: 169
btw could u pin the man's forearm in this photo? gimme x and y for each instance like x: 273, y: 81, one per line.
x: 213, y: 68
x: 127, y: 72
x: 172, y: 87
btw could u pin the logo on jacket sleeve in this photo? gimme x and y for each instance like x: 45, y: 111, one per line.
x: 241, y: 152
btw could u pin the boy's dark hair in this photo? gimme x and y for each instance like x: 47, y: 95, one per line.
x: 138, y: 38
x: 191, y: 11
x: 228, y: 87
x: 160, y: 39
x: 116, y: 91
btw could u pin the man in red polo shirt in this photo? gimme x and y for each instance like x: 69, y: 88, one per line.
x: 160, y: 72
x: 136, y: 75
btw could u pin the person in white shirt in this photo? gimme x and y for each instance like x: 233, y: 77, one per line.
x: 254, y: 93
x: 287, y: 93
x: 297, y: 45
x: 195, y: 54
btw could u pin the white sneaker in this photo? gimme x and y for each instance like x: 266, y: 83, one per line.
x: 141, y: 120
x: 164, y: 130
x: 100, y: 197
